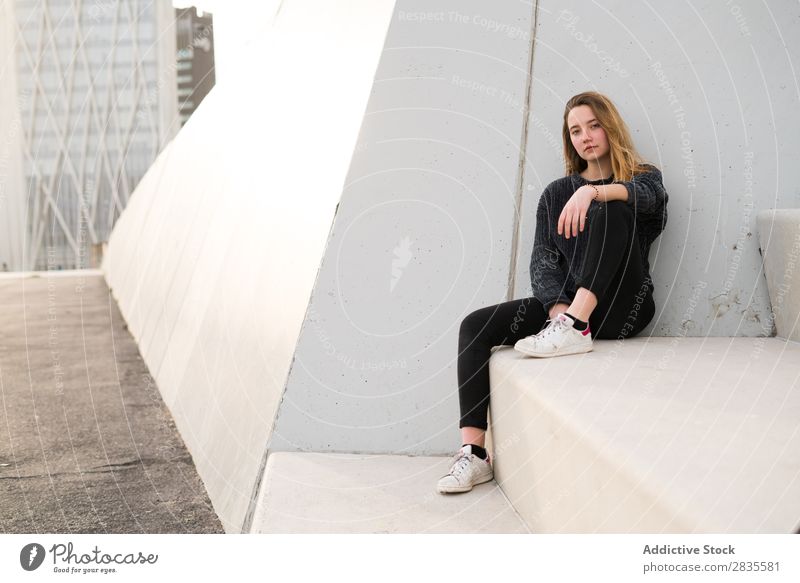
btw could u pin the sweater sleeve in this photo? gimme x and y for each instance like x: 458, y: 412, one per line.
x: 547, y: 276
x: 646, y: 193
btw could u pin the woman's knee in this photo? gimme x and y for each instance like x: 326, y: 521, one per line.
x: 494, y: 323
x: 475, y: 323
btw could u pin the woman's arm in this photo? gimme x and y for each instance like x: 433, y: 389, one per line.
x: 547, y: 277
x: 573, y: 216
x: 646, y: 192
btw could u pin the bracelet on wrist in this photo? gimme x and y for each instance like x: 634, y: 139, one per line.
x: 596, y: 192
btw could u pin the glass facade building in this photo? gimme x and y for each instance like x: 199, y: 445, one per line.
x: 96, y: 101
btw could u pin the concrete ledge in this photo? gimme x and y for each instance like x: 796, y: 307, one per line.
x: 658, y: 435
x: 351, y: 493
x: 779, y: 237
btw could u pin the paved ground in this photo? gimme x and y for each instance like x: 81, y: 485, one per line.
x: 86, y: 443
x: 340, y: 493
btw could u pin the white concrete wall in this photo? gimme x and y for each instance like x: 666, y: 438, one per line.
x: 422, y: 237
x: 710, y: 91
x: 215, y: 257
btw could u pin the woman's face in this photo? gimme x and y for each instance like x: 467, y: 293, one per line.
x: 588, y: 137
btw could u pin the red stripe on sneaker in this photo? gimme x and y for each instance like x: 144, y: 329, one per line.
x: 586, y: 332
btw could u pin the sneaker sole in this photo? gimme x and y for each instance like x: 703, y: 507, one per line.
x: 460, y: 489
x: 564, y: 352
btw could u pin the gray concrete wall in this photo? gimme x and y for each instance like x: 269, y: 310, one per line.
x: 423, y: 234
x: 426, y: 223
x: 710, y: 92
x: 779, y: 236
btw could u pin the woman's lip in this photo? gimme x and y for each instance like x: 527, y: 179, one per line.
x: 588, y: 148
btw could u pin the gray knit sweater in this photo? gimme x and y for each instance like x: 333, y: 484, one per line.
x: 556, y: 260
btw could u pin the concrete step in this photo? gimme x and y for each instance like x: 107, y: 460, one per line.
x: 353, y: 493
x: 659, y: 435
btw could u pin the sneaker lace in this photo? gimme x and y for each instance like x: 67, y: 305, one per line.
x: 460, y: 464
x: 552, y: 326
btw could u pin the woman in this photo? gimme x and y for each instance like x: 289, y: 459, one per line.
x: 589, y: 269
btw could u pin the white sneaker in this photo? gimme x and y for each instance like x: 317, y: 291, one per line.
x: 558, y: 338
x: 468, y: 470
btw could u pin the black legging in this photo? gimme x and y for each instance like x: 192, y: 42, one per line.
x: 612, y: 270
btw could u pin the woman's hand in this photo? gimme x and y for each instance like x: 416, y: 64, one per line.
x: 573, y: 216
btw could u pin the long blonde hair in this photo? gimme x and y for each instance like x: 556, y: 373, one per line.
x: 625, y: 160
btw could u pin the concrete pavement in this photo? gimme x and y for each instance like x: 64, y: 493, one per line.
x: 86, y: 443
